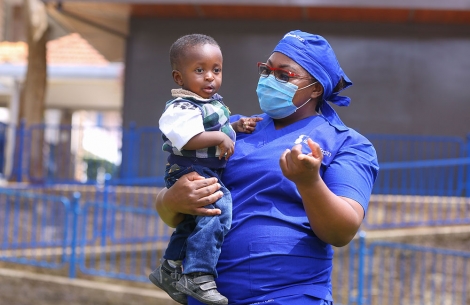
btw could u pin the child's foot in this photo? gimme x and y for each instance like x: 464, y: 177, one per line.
x: 165, y: 277
x: 202, y: 287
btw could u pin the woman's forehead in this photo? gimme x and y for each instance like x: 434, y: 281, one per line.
x: 279, y: 60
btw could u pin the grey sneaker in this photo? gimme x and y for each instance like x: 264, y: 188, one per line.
x: 202, y: 287
x: 165, y: 277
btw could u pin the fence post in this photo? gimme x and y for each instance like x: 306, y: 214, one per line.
x: 75, y: 206
x: 360, y: 273
x: 104, y: 221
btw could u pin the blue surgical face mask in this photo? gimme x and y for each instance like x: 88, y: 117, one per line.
x: 275, y: 98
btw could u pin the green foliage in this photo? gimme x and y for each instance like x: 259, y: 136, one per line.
x: 94, y: 164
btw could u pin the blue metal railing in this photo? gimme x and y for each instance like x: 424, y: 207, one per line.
x: 418, y: 167
x: 120, y: 240
x: 422, y: 165
x: 126, y: 243
x: 32, y: 221
x: 426, y: 275
x: 410, y: 165
x: 61, y: 154
x: 51, y: 231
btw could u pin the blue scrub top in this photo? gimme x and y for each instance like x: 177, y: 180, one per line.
x: 271, y: 251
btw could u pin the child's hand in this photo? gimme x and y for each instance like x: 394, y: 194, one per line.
x: 226, y: 147
x: 246, y: 125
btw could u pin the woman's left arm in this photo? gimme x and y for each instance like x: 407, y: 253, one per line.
x: 334, y: 219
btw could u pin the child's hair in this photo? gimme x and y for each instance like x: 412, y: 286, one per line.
x: 178, y: 48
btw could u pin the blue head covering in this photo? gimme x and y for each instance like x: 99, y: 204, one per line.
x: 315, y: 55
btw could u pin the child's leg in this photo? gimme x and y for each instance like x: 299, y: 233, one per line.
x: 176, y: 249
x: 203, y: 251
x: 204, y: 244
x: 170, y: 270
x: 177, y: 246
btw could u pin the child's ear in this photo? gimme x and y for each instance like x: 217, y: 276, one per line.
x: 177, y: 77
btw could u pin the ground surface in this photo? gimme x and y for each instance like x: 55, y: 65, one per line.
x: 19, y: 291
x: 20, y: 287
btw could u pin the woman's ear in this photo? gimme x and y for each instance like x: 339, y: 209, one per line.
x: 317, y: 91
x: 177, y: 78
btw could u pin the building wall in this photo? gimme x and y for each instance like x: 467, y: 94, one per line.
x: 408, y: 78
x: 2, y: 20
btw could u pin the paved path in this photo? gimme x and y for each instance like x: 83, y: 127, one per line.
x: 19, y: 287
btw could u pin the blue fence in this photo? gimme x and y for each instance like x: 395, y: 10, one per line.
x: 409, y: 165
x: 82, y: 219
x: 427, y: 275
x: 50, y: 154
x: 31, y: 221
x: 422, y: 165
x: 423, y: 180
x: 96, y: 238
x: 102, y: 239
x: 387, y: 273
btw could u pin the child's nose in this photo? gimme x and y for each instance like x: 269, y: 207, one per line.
x: 209, y: 76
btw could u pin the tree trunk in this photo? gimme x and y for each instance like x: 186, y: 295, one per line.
x: 33, y: 93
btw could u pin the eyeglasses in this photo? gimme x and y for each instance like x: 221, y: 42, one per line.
x: 280, y: 75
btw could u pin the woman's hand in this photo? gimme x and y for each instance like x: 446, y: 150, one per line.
x: 334, y: 219
x: 301, y: 168
x: 188, y: 195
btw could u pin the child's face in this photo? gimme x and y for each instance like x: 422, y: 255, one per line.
x: 200, y: 71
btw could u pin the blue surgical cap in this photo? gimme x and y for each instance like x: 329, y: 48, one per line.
x: 315, y: 55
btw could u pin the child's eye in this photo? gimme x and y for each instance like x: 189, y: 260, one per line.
x: 217, y: 70
x: 199, y: 70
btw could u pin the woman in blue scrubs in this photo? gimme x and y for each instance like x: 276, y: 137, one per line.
x: 300, y: 182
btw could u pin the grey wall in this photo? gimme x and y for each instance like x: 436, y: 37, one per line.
x: 408, y: 79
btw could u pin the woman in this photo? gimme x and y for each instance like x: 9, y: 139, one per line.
x: 300, y: 182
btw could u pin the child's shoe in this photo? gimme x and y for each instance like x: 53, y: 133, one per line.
x: 165, y: 277
x: 202, y: 287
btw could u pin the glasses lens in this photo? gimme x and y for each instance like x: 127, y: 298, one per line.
x: 263, y: 70
x: 282, y: 76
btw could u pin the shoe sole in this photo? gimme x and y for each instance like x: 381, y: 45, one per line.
x: 185, y: 290
x: 155, y: 281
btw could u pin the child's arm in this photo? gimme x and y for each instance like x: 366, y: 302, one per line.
x: 212, y: 138
x: 246, y: 125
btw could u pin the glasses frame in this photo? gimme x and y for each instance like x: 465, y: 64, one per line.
x: 289, y: 73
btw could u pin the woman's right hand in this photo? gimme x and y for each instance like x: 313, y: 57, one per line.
x: 188, y: 195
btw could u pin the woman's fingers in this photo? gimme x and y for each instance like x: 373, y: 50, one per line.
x: 199, y: 192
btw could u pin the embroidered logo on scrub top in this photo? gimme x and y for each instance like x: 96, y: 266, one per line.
x: 302, y: 139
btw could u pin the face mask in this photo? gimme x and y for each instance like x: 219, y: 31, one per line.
x: 275, y: 98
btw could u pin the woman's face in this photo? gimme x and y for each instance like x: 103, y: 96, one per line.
x: 281, y: 61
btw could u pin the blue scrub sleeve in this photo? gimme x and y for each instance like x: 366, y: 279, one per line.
x: 353, y: 172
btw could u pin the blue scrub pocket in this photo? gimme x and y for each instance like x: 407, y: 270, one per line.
x: 276, y: 266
